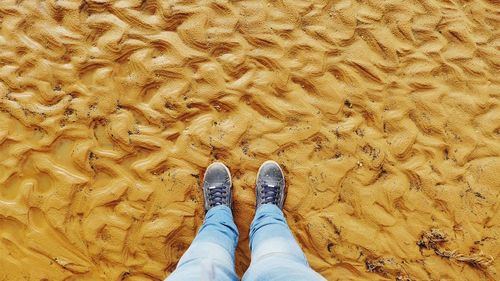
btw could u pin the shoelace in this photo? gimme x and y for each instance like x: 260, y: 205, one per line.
x: 270, y: 194
x: 216, y: 195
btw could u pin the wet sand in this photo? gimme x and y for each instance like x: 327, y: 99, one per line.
x: 384, y: 114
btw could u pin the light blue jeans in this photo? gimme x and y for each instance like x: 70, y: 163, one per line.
x: 276, y: 256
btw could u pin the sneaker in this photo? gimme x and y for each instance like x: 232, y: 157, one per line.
x: 217, y: 186
x: 270, y: 186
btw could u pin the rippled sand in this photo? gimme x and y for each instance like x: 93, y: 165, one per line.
x: 384, y: 114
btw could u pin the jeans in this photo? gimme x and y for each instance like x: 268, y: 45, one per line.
x: 276, y: 256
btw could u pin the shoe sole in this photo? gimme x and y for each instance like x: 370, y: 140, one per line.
x: 281, y: 170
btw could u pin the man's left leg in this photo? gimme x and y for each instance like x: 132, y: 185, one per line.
x: 211, y: 255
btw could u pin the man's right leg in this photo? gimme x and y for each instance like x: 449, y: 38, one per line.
x: 276, y: 255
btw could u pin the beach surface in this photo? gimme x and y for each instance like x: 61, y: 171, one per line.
x: 385, y: 116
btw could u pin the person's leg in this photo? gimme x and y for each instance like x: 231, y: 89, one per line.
x: 270, y: 234
x: 276, y: 255
x: 211, y: 255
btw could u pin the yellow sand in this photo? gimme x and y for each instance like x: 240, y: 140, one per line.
x: 384, y: 114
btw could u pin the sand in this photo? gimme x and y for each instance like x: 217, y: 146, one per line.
x: 384, y: 114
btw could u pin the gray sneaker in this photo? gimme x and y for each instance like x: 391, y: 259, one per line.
x: 270, y: 186
x: 217, y: 186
